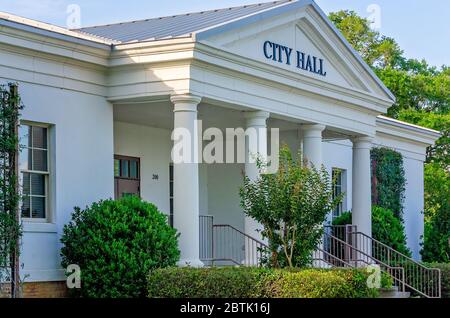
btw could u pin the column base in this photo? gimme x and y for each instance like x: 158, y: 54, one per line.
x: 196, y: 263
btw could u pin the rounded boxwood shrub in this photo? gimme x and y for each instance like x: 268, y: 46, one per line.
x: 116, y: 244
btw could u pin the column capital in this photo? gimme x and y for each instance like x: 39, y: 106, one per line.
x: 362, y: 142
x: 185, y: 102
x: 256, y: 118
x: 312, y: 130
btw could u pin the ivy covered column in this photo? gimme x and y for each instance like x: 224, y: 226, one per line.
x: 361, y: 196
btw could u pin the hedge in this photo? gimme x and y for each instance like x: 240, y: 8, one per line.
x: 241, y: 282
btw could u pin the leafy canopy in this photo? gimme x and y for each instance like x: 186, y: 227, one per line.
x: 415, y: 84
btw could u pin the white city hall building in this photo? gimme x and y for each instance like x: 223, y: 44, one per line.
x: 101, y: 104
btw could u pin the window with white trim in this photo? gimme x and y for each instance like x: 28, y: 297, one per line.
x: 34, y: 171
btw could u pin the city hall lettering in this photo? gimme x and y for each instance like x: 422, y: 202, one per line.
x: 303, y: 61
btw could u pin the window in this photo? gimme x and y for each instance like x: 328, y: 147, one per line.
x: 34, y: 171
x: 126, y: 168
x: 337, y: 177
x: 171, y: 194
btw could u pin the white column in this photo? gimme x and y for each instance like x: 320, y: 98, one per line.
x: 361, y: 196
x: 186, y: 183
x: 312, y: 144
x: 312, y: 154
x: 256, y: 120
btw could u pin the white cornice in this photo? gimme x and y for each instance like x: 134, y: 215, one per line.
x: 62, y: 47
x: 406, y: 131
x: 230, y: 60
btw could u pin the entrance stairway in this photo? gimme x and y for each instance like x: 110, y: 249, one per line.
x: 343, y: 247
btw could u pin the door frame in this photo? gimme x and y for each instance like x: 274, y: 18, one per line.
x: 138, y: 179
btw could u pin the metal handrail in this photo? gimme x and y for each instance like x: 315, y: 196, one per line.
x: 226, y: 243
x: 424, y: 280
x: 358, y: 257
x: 242, y: 233
x: 227, y: 240
x: 421, y: 279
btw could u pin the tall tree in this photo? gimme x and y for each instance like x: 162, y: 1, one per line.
x: 414, y: 83
x: 423, y: 98
x: 375, y: 49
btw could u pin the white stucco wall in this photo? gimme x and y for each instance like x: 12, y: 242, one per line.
x: 81, y: 167
x: 414, y: 204
x: 152, y: 146
x: 339, y: 154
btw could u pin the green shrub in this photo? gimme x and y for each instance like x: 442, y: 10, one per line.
x: 436, y: 247
x: 241, y: 282
x: 388, y: 180
x: 445, y: 277
x: 313, y: 283
x: 116, y: 244
x: 227, y: 282
x: 386, y: 228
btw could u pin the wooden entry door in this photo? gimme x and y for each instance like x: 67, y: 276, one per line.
x: 127, y: 179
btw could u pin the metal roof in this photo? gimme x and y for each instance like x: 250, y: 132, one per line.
x: 177, y: 25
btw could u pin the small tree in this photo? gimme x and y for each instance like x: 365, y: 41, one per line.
x: 292, y: 205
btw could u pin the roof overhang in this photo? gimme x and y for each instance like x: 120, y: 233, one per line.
x: 407, y: 132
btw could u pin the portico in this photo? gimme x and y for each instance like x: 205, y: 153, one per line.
x: 275, y: 65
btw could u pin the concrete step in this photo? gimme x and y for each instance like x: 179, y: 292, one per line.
x: 393, y: 293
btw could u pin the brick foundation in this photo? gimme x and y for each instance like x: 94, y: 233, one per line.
x: 41, y: 290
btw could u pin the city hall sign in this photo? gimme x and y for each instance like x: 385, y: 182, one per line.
x: 283, y: 54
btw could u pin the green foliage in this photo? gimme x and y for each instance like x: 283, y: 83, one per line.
x: 388, y: 180
x: 436, y: 246
x: 440, y: 122
x: 215, y: 282
x: 242, y: 282
x: 291, y: 205
x: 415, y: 84
x: 315, y: 283
x: 116, y: 244
x: 445, y: 277
x: 344, y: 219
x: 417, y: 88
x: 375, y: 49
x: 386, y: 228
x: 10, y: 230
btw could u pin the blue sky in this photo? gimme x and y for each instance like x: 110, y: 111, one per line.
x: 422, y: 28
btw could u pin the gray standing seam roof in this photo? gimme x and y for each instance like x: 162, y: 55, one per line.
x: 174, y: 26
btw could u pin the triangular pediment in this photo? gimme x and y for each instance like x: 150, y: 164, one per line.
x: 298, y: 39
